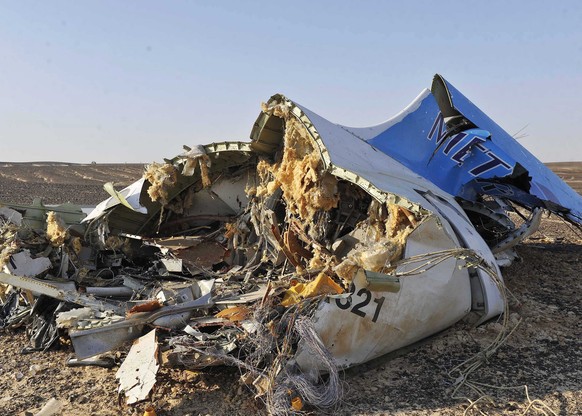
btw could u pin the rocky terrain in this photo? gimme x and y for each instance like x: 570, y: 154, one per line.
x: 538, y: 370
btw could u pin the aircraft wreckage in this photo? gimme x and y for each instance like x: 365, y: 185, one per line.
x: 313, y: 248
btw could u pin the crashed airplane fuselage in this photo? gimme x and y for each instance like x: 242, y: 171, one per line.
x: 397, y: 256
x: 384, y: 212
x: 369, y: 238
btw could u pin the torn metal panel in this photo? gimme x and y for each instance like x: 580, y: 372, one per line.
x: 110, y: 291
x: 173, y: 265
x: 249, y: 296
x: 34, y: 215
x: 61, y: 290
x: 22, y: 264
x: 529, y: 227
x: 541, y: 182
x: 487, y: 301
x: 129, y: 195
x: 121, y: 196
x: 10, y: 215
x: 206, y: 203
x: 97, y: 361
x: 368, y: 323
x: 137, y: 373
x: 93, y: 341
x: 445, y: 138
x: 231, y: 191
x: 203, y: 255
x: 70, y: 319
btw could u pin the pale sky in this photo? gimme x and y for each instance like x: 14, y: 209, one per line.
x: 133, y: 81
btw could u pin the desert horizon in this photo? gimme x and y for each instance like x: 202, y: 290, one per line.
x: 82, y: 183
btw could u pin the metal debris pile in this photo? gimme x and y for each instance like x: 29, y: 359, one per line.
x: 299, y: 254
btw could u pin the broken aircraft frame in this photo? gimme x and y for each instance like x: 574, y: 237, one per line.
x: 313, y: 248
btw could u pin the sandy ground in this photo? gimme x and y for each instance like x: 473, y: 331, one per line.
x: 544, y: 353
x: 569, y: 172
x: 57, y: 183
